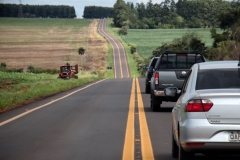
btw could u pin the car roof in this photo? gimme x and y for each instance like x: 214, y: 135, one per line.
x: 218, y: 64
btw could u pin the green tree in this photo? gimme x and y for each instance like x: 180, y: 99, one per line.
x: 189, y: 41
x: 120, y: 13
x: 81, y: 51
x: 123, y: 31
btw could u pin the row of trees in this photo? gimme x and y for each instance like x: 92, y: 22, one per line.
x: 97, y: 12
x: 37, y: 11
x: 226, y: 46
x: 171, y: 14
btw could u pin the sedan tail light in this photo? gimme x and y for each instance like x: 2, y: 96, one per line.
x: 156, y: 78
x: 199, y: 105
x: 195, y: 144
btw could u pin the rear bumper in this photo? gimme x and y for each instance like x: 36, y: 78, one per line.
x: 215, y: 136
x: 159, y: 93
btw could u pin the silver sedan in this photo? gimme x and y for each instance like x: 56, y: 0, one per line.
x: 206, y: 117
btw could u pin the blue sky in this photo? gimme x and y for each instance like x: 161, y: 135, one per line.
x: 78, y: 4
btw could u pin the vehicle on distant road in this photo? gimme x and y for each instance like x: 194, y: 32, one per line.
x: 149, y: 73
x: 206, y: 117
x: 171, y: 70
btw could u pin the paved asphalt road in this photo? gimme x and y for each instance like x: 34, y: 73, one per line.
x: 121, y: 69
x: 106, y: 120
x: 87, y: 125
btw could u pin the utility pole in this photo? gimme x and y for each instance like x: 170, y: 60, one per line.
x: 20, y: 11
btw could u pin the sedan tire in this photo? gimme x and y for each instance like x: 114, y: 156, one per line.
x: 175, y: 149
x: 182, y: 155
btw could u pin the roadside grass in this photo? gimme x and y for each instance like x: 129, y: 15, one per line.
x: 21, y: 88
x: 110, y: 71
x: 130, y: 57
x: 148, y: 40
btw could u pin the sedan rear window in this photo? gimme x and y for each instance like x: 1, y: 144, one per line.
x: 218, y: 79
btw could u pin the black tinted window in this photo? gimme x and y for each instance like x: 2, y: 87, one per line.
x: 154, y: 62
x: 179, y: 61
x: 218, y: 78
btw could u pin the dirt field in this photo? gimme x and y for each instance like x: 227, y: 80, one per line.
x: 51, y: 47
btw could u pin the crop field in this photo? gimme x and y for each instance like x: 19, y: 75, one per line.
x: 49, y: 43
x: 148, y: 40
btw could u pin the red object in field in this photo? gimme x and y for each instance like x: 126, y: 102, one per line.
x: 67, y: 71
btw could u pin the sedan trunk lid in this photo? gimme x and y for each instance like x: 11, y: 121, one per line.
x: 226, y: 105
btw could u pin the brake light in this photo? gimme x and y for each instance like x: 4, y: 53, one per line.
x: 195, y: 144
x: 156, y: 78
x: 199, y: 105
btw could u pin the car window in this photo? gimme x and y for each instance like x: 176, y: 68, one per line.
x: 154, y: 62
x: 218, y: 79
x: 185, y: 84
x: 179, y: 61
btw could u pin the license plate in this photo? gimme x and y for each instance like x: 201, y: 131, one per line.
x: 234, y: 136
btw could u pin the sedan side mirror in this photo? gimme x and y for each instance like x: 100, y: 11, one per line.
x: 171, y: 91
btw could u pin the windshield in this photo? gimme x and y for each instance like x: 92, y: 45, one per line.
x: 218, y: 79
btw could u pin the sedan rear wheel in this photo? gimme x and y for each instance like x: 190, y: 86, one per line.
x: 174, y: 148
x: 185, y: 155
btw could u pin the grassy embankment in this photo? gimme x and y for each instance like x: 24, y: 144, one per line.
x: 21, y: 88
x: 148, y: 40
x: 44, y: 43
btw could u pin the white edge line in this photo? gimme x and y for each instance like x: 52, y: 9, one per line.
x: 37, y: 108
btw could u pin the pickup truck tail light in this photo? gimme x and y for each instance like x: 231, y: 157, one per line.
x: 156, y: 78
x: 199, y: 105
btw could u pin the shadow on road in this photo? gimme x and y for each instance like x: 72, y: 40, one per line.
x: 165, y: 109
x: 148, y: 109
x: 198, y: 157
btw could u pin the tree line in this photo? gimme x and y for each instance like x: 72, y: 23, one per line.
x: 171, y: 14
x: 97, y: 12
x: 37, y: 11
x: 226, y: 45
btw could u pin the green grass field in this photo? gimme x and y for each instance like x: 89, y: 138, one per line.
x: 44, y: 22
x: 148, y: 40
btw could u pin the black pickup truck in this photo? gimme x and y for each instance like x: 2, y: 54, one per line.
x: 170, y: 70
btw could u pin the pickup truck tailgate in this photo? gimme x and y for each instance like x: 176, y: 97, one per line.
x: 172, y: 78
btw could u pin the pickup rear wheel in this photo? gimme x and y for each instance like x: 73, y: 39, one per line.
x: 155, y: 107
x: 147, y: 89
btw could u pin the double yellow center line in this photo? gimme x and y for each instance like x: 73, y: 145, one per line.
x: 129, y: 144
